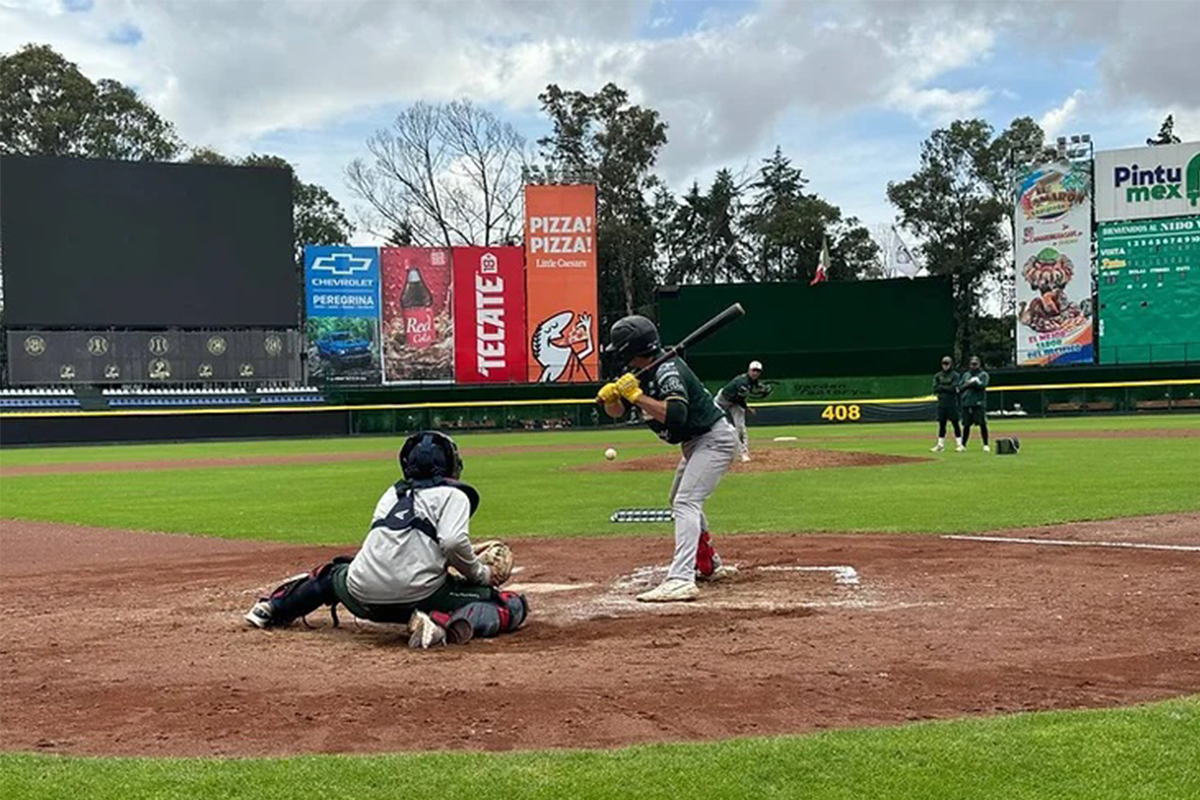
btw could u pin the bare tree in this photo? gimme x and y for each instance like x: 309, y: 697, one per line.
x: 446, y: 174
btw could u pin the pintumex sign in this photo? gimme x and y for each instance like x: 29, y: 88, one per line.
x: 1148, y: 182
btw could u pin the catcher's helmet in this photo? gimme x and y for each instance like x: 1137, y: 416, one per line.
x: 633, y: 336
x: 428, y: 455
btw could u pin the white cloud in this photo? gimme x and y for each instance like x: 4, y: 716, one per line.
x: 1054, y: 121
x: 230, y: 72
x: 938, y: 106
x: 234, y: 74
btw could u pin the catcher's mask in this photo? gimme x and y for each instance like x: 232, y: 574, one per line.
x: 633, y: 336
x: 429, y: 455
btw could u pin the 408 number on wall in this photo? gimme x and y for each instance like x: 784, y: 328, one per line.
x: 842, y: 413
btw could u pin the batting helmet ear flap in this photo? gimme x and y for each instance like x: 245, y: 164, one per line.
x: 632, y: 336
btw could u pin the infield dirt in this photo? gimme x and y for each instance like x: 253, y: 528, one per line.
x: 131, y: 643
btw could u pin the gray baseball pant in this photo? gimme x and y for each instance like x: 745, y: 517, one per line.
x: 705, y: 461
x: 737, y: 416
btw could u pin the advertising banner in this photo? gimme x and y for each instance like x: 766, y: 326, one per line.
x: 489, y: 314
x: 560, y: 275
x: 1148, y: 290
x: 1053, y: 257
x: 1148, y: 182
x: 418, y: 320
x: 342, y: 302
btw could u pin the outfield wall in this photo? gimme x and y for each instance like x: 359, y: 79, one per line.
x: 860, y: 328
x: 160, y: 425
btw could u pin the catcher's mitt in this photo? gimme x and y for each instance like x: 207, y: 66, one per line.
x: 498, y: 557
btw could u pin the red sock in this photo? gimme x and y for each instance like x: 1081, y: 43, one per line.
x: 705, y: 553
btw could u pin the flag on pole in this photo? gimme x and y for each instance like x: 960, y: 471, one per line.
x: 822, y: 265
x: 903, y: 262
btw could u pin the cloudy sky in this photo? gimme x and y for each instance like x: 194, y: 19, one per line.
x: 848, y: 89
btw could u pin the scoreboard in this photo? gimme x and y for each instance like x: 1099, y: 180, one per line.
x: 1148, y: 290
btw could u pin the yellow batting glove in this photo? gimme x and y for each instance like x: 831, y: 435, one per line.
x: 629, y: 387
x: 609, y: 393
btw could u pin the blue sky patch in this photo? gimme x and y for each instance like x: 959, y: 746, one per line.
x: 127, y: 34
x: 666, y: 20
x: 78, y: 6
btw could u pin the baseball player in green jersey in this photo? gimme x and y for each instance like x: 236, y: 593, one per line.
x: 945, y: 386
x: 973, y: 391
x: 733, y: 399
x: 681, y: 411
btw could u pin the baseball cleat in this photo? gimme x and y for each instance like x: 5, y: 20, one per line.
x: 745, y: 458
x: 260, y: 615
x: 423, y: 632
x: 937, y: 448
x: 958, y: 448
x: 672, y: 590
x: 987, y: 449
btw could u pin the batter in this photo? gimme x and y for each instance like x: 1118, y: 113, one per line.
x: 681, y: 411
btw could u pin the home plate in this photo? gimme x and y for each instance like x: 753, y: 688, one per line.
x: 784, y: 439
x: 546, y: 588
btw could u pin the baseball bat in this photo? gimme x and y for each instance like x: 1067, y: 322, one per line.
x: 695, y: 337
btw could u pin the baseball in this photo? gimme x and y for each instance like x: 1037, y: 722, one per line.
x: 610, y: 454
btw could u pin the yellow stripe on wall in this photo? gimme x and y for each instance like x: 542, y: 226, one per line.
x: 167, y: 412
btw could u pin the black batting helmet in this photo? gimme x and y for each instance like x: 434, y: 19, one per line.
x: 428, y: 455
x: 633, y: 336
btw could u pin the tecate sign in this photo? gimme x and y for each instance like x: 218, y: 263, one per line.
x: 1148, y: 182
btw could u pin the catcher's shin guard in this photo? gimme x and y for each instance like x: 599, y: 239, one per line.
x: 485, y: 619
x: 300, y: 596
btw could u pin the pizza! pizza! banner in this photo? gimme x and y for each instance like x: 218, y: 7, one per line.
x: 560, y: 279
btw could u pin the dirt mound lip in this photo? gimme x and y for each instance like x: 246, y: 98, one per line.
x: 774, y: 459
x: 120, y: 643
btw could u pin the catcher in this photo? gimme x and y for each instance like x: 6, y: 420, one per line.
x: 417, y: 565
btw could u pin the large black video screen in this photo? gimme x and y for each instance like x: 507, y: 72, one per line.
x: 100, y: 244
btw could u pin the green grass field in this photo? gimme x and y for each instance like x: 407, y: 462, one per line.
x: 1128, y: 753
x: 535, y: 493
x: 1139, y: 752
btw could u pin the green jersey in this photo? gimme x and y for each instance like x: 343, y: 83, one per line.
x: 741, y: 389
x: 974, y: 388
x: 945, y: 386
x: 675, y: 383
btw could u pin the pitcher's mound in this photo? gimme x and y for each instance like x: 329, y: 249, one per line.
x: 774, y: 459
